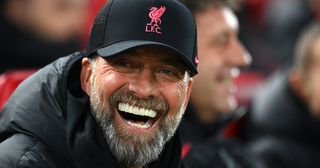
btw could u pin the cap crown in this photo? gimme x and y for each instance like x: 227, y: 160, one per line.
x: 167, y: 22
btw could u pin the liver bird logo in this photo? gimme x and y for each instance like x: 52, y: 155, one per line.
x: 155, y: 15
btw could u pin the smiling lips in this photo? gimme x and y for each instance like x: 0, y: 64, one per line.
x: 136, y: 116
x: 227, y: 75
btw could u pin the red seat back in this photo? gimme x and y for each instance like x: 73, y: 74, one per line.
x: 247, y: 84
x: 93, y: 8
x: 9, y: 82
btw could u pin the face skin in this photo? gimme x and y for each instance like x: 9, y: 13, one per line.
x: 311, y: 81
x: 315, y: 8
x: 220, y: 54
x: 147, y: 78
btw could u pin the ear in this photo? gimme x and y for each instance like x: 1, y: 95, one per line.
x: 14, y: 11
x: 85, y: 75
x: 296, y: 82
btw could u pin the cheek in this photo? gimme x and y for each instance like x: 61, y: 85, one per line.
x: 175, y: 97
x: 205, y: 65
x: 107, y: 84
x: 311, y: 84
x: 209, y: 62
x: 208, y: 69
x: 311, y: 90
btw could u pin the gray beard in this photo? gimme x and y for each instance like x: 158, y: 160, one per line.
x: 139, y: 151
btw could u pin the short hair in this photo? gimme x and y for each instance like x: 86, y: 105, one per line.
x: 303, y: 51
x: 199, y: 5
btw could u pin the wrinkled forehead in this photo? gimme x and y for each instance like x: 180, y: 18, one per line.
x: 152, y: 54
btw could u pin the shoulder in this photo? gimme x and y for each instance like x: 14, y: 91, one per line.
x: 13, y: 148
x: 49, y: 82
x: 272, y: 94
x: 23, y: 151
x: 276, y: 152
x: 273, y: 102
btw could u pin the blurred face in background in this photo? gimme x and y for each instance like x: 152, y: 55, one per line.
x: 315, y: 8
x: 50, y: 19
x: 311, y: 80
x: 220, y: 54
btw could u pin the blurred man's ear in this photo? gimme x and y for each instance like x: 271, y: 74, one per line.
x: 85, y: 75
x: 296, y: 82
x: 13, y: 11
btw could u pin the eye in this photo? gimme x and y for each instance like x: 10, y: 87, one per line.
x: 223, y: 38
x: 169, y: 73
x: 124, y: 65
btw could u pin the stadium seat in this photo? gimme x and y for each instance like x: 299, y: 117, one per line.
x: 9, y: 82
x: 93, y: 8
x: 247, y: 84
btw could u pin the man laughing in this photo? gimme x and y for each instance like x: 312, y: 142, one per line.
x: 116, y: 105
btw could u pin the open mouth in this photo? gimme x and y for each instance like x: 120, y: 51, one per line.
x: 136, y: 116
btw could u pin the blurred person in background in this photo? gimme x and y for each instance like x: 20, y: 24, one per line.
x: 270, y: 28
x: 285, y: 19
x: 283, y: 125
x: 315, y: 9
x: 212, y: 103
x: 35, y: 32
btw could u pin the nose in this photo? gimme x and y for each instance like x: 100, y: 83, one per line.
x: 238, y: 55
x: 143, y: 84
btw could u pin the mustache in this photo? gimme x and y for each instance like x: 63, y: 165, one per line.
x: 155, y: 103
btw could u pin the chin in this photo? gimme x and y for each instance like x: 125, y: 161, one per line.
x: 227, y: 106
x: 315, y: 111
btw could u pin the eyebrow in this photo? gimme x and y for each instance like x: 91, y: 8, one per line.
x: 176, y: 62
x: 130, y: 52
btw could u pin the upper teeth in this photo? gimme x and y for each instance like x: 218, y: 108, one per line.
x: 136, y: 110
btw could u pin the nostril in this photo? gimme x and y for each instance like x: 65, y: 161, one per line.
x: 144, y: 83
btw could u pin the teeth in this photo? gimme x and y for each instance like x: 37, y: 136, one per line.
x: 235, y: 72
x: 142, y: 126
x: 136, y: 110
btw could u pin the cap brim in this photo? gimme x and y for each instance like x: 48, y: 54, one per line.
x: 126, y: 45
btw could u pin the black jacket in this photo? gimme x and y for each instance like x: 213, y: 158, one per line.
x: 280, y: 128
x: 206, y: 147
x: 47, y: 124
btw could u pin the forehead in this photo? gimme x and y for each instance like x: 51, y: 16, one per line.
x: 216, y: 19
